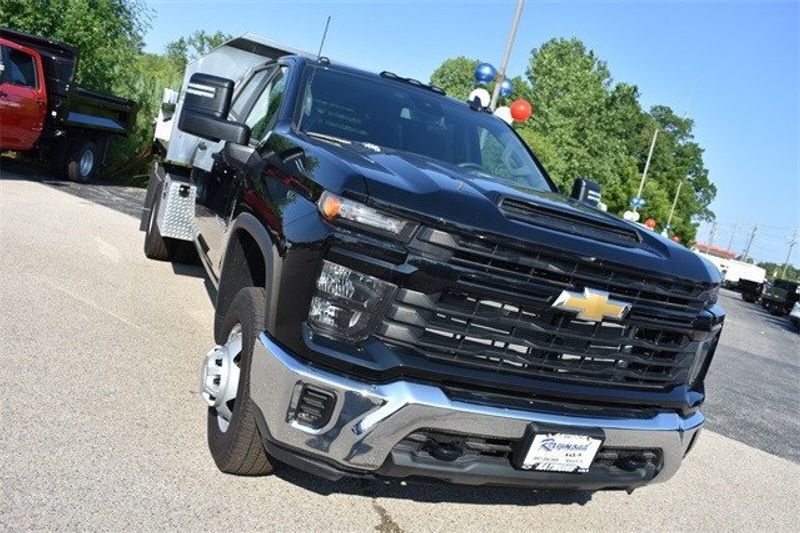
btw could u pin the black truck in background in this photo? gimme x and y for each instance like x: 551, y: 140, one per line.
x: 41, y: 112
x: 403, y: 292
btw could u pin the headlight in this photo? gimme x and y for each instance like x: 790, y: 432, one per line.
x: 340, y: 210
x: 347, y: 303
x: 712, y: 295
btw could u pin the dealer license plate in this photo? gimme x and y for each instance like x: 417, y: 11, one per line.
x: 561, y: 452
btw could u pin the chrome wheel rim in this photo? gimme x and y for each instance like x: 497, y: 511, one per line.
x: 219, y: 377
x: 86, y: 163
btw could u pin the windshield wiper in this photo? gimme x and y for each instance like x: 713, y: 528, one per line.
x: 329, y: 138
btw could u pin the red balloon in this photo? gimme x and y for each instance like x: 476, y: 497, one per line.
x: 521, y: 110
x: 650, y: 223
x: 675, y: 238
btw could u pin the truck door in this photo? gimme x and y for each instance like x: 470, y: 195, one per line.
x: 218, y: 191
x: 23, y: 97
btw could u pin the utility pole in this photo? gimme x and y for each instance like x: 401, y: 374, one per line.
x: 674, y: 203
x: 746, y: 253
x: 712, y: 234
x: 646, y: 167
x: 733, y: 235
x: 792, y: 244
x: 501, y: 74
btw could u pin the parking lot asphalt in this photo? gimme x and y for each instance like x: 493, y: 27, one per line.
x: 104, y: 428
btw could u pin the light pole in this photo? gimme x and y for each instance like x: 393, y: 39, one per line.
x: 750, y: 240
x: 792, y: 244
x: 501, y: 74
x: 733, y: 235
x: 646, y: 167
x: 674, y: 203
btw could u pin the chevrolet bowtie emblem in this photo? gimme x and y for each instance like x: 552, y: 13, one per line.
x: 591, y: 305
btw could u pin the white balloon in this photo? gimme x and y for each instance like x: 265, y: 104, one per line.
x: 504, y: 113
x: 482, y: 94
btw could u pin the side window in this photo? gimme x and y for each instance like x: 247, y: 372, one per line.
x: 266, y: 106
x: 19, y: 68
x: 245, y: 97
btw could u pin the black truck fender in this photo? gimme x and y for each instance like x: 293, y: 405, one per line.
x: 250, y: 260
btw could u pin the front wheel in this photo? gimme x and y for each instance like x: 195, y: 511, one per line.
x: 233, y: 436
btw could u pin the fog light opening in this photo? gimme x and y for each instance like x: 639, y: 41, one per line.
x: 314, y: 407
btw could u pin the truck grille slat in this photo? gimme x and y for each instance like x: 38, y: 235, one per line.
x: 497, y: 314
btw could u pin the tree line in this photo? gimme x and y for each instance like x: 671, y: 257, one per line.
x: 583, y: 124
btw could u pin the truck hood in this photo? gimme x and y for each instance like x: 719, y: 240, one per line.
x: 467, y: 202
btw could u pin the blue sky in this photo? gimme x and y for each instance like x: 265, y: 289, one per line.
x: 733, y: 66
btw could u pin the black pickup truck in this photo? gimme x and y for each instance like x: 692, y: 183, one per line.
x: 402, y: 292
x: 42, y: 112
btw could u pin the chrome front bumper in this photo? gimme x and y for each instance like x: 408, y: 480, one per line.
x: 368, y: 420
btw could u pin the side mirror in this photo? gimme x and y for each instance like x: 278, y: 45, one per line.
x: 205, y: 110
x: 586, y: 191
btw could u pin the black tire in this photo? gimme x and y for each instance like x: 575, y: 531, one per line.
x: 239, y: 450
x: 155, y: 246
x: 163, y: 248
x: 82, y: 161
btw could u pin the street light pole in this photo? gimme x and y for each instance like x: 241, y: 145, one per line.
x: 792, y: 244
x: 749, y: 243
x: 501, y: 74
x: 646, y: 167
x: 733, y: 235
x: 674, y: 203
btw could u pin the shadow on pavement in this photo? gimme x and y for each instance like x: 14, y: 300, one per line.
x: 127, y: 200
x: 431, y: 492
x: 781, y: 322
x: 197, y: 271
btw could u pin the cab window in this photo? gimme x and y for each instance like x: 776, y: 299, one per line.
x: 266, y: 106
x: 19, y: 68
x: 245, y: 97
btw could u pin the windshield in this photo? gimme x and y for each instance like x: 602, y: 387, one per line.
x: 397, y: 116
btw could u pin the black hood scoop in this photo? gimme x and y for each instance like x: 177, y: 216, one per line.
x: 573, y: 222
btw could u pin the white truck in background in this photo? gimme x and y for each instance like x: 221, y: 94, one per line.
x: 733, y: 271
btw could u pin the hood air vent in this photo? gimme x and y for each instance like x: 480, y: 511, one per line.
x: 576, y: 224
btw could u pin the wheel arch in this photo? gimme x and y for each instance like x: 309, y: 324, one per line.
x: 249, y: 261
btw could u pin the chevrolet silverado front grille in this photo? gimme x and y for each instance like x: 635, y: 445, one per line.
x: 498, y: 316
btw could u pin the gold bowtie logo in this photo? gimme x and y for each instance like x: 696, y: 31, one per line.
x: 591, y: 305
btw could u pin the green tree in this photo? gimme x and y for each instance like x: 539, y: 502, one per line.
x: 457, y: 77
x: 198, y: 44
x: 775, y: 270
x: 107, y: 33
x: 585, y: 125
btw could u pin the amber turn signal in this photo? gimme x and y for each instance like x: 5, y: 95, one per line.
x: 331, y: 206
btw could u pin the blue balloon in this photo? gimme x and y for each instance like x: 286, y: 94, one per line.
x: 484, y: 73
x: 506, y: 88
